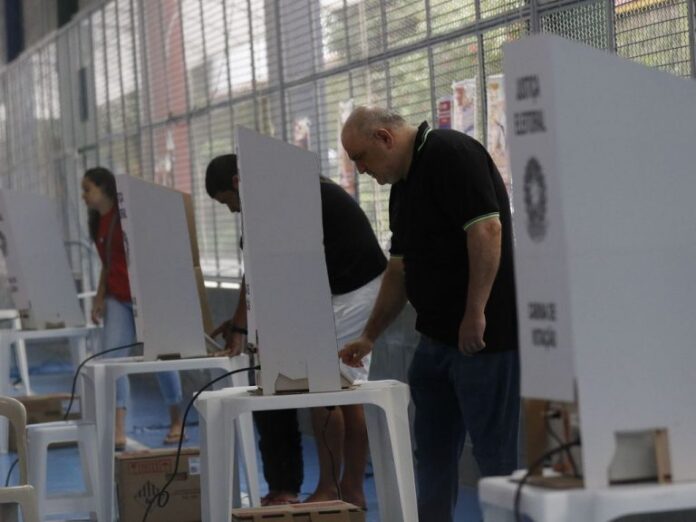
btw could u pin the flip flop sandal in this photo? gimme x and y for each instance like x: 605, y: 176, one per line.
x: 172, y: 438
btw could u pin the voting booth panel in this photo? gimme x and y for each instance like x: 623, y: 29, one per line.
x: 41, y: 282
x: 161, y: 271
x: 601, y: 153
x: 283, y: 249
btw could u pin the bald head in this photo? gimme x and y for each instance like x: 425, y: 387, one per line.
x: 379, y: 142
x: 365, y: 120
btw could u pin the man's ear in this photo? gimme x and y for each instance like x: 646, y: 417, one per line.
x: 385, y: 137
x: 235, y: 182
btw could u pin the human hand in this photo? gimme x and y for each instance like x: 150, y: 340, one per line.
x: 353, y: 352
x: 97, y: 309
x: 234, y: 339
x: 471, y: 331
x: 234, y: 344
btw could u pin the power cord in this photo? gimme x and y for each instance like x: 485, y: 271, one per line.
x: 9, y: 473
x: 72, y: 393
x: 77, y: 372
x: 162, y: 498
x: 334, y: 475
x: 538, y: 462
x: 555, y: 414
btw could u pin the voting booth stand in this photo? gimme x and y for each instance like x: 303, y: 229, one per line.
x: 160, y: 241
x: 291, y: 324
x: 42, y: 287
x: 159, y: 236
x: 601, y: 153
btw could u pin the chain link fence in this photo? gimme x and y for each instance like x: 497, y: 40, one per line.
x: 154, y: 88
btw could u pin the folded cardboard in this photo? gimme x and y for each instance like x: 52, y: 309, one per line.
x: 330, y: 511
x: 141, y: 475
x: 191, y: 222
x: 195, y: 254
x: 208, y: 325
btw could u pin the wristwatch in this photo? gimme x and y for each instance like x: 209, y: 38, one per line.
x: 238, y: 329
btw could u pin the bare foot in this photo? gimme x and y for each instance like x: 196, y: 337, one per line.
x: 357, y: 498
x: 278, y: 498
x: 120, y: 443
x: 356, y: 501
x: 322, y: 495
x: 173, y: 436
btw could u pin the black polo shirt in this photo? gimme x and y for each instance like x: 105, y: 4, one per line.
x: 452, y: 184
x: 353, y: 255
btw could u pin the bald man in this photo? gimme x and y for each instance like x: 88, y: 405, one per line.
x: 451, y: 257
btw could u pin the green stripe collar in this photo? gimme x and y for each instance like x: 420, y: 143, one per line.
x: 425, y: 137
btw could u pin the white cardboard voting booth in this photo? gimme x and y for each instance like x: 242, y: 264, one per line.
x: 41, y: 283
x: 289, y: 312
x: 602, y: 157
x: 166, y: 307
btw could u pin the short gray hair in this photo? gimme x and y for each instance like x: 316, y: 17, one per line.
x: 365, y: 119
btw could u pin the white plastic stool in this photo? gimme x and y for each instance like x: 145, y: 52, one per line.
x: 24, y: 495
x: 497, y: 498
x: 20, y: 352
x: 386, y: 414
x: 99, y: 405
x: 40, y: 436
x: 76, y: 336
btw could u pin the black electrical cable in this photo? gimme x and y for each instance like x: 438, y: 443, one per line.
x: 334, y: 475
x: 559, y: 441
x: 163, y: 496
x: 538, y: 462
x: 9, y: 473
x: 77, y: 372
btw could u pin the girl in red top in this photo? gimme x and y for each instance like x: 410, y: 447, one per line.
x: 113, y: 299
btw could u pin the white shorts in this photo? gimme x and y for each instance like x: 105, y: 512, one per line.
x: 351, y: 312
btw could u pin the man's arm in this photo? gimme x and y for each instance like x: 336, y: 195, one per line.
x: 390, y: 301
x: 483, y: 241
x: 239, y: 319
x: 234, y: 339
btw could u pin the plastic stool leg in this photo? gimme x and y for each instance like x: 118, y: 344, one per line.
x: 216, y: 465
x: 391, y: 455
x: 90, y: 463
x: 5, y: 387
x: 37, y: 469
x: 244, y: 426
x: 23, y: 365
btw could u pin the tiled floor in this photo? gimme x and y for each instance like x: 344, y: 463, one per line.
x: 147, y: 427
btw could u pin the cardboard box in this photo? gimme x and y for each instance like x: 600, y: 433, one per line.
x: 191, y: 222
x: 331, y: 511
x: 141, y: 475
x: 46, y: 408
x: 208, y: 325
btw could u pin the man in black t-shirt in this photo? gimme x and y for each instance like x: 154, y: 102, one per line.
x: 451, y: 257
x: 354, y: 262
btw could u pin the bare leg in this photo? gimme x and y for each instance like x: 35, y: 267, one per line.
x: 355, y: 454
x: 120, y: 429
x: 176, y: 425
x: 329, y: 434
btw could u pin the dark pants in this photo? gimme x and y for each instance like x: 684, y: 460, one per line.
x: 453, y: 395
x: 280, y: 443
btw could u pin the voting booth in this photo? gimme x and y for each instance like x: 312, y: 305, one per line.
x: 157, y: 240
x: 289, y: 312
x: 601, y: 153
x: 41, y: 284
